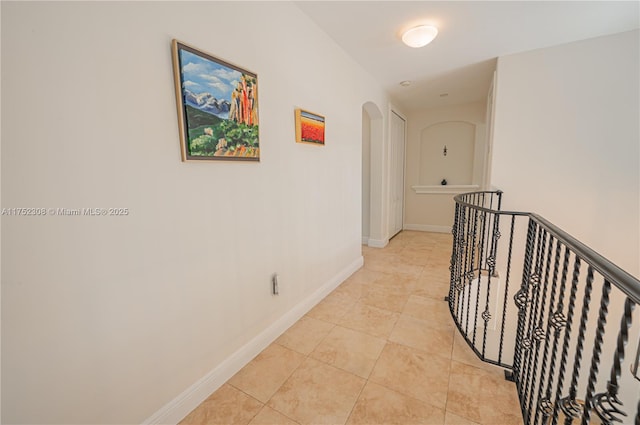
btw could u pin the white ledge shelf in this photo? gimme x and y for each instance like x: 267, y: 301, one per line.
x: 451, y: 189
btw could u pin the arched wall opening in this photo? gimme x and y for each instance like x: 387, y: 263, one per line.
x: 447, y: 153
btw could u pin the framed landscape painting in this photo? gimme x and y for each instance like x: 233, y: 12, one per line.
x: 217, y: 107
x: 309, y: 127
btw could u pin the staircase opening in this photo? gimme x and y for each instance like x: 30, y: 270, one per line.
x: 555, y: 314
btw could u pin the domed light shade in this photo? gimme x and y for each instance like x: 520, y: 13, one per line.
x: 419, y: 36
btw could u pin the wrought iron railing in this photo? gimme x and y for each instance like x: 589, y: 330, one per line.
x: 556, y: 315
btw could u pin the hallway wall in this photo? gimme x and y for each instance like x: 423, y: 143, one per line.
x: 567, y: 140
x: 108, y: 319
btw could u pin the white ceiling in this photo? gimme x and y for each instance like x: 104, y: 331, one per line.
x: 472, y: 34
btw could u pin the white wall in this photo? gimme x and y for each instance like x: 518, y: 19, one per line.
x: 435, y: 211
x: 567, y: 144
x: 107, y: 319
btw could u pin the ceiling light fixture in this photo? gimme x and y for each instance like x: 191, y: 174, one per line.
x: 419, y: 36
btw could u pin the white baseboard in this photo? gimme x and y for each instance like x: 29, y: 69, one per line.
x: 377, y: 243
x: 428, y: 228
x: 174, y: 411
x: 365, y: 240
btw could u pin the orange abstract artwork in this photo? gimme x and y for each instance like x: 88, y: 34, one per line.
x: 309, y: 127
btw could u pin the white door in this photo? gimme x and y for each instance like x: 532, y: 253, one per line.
x: 396, y: 186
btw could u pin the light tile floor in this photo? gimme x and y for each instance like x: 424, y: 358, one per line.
x: 380, y: 349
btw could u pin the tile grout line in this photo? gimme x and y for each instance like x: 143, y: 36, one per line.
x: 446, y: 403
x: 248, y: 395
x: 366, y: 381
x: 265, y: 404
x: 306, y: 357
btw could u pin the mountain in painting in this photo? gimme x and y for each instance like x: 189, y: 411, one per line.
x: 207, y: 103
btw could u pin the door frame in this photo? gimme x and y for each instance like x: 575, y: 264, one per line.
x: 390, y: 230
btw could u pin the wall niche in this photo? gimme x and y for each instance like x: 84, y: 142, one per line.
x: 447, y: 153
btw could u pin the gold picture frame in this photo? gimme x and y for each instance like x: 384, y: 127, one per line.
x: 310, y: 127
x: 217, y: 107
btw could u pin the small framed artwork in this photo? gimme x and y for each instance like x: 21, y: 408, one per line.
x: 309, y: 127
x: 217, y: 107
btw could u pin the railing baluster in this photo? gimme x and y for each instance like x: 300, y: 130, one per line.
x: 453, y: 265
x: 558, y: 321
x: 467, y: 265
x: 597, y: 350
x: 535, y: 335
x: 491, y: 265
x: 539, y: 333
x: 470, y: 274
x: 461, y: 276
x: 567, y: 335
x: 606, y: 404
x: 570, y: 407
x: 483, y: 219
x: 533, y: 285
x: 506, y: 287
x: 521, y: 299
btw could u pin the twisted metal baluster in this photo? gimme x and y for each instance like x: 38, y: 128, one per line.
x: 551, y: 290
x: 454, y: 254
x: 539, y: 333
x: 470, y: 273
x: 462, y: 271
x: 456, y: 261
x: 533, y: 285
x: 480, y: 255
x: 567, y: 337
x: 597, y: 350
x: 521, y: 299
x: 467, y: 263
x: 506, y: 289
x: 605, y: 403
x: 466, y: 234
x: 556, y: 320
x: 491, y: 263
x: 569, y: 406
